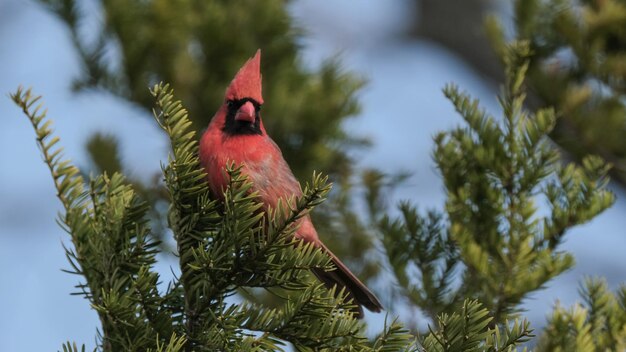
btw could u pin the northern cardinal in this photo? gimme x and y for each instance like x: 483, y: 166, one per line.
x: 236, y: 134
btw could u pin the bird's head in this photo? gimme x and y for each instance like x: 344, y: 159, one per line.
x: 243, y: 100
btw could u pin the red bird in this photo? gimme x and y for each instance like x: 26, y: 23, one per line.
x: 236, y: 134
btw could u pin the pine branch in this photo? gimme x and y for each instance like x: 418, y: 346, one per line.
x: 67, y: 179
x: 111, y: 251
x: 420, y: 242
x: 192, y: 214
x: 175, y: 344
x: 72, y: 347
x: 493, y: 174
x: 599, y: 324
x: 468, y: 330
x: 314, y: 319
x: 395, y: 338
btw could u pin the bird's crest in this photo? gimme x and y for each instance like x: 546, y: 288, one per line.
x: 247, y: 82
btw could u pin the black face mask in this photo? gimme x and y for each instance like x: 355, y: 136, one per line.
x: 234, y: 127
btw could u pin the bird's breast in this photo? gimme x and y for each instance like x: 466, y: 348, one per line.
x: 259, y: 158
x: 262, y: 162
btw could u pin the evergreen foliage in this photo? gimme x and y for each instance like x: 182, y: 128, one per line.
x: 221, y: 248
x: 598, y: 324
x: 579, y: 67
x: 509, y: 205
x: 467, y: 330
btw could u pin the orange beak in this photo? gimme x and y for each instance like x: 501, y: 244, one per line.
x: 246, y: 112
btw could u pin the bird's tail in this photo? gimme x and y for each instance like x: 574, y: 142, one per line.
x: 342, y: 277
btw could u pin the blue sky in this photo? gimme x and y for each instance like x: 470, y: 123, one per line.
x: 405, y: 81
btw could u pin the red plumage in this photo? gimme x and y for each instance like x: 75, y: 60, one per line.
x: 247, y: 82
x: 236, y: 134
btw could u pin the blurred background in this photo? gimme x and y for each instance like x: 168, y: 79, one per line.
x: 380, y: 65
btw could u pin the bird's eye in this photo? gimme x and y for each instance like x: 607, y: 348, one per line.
x: 230, y: 103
